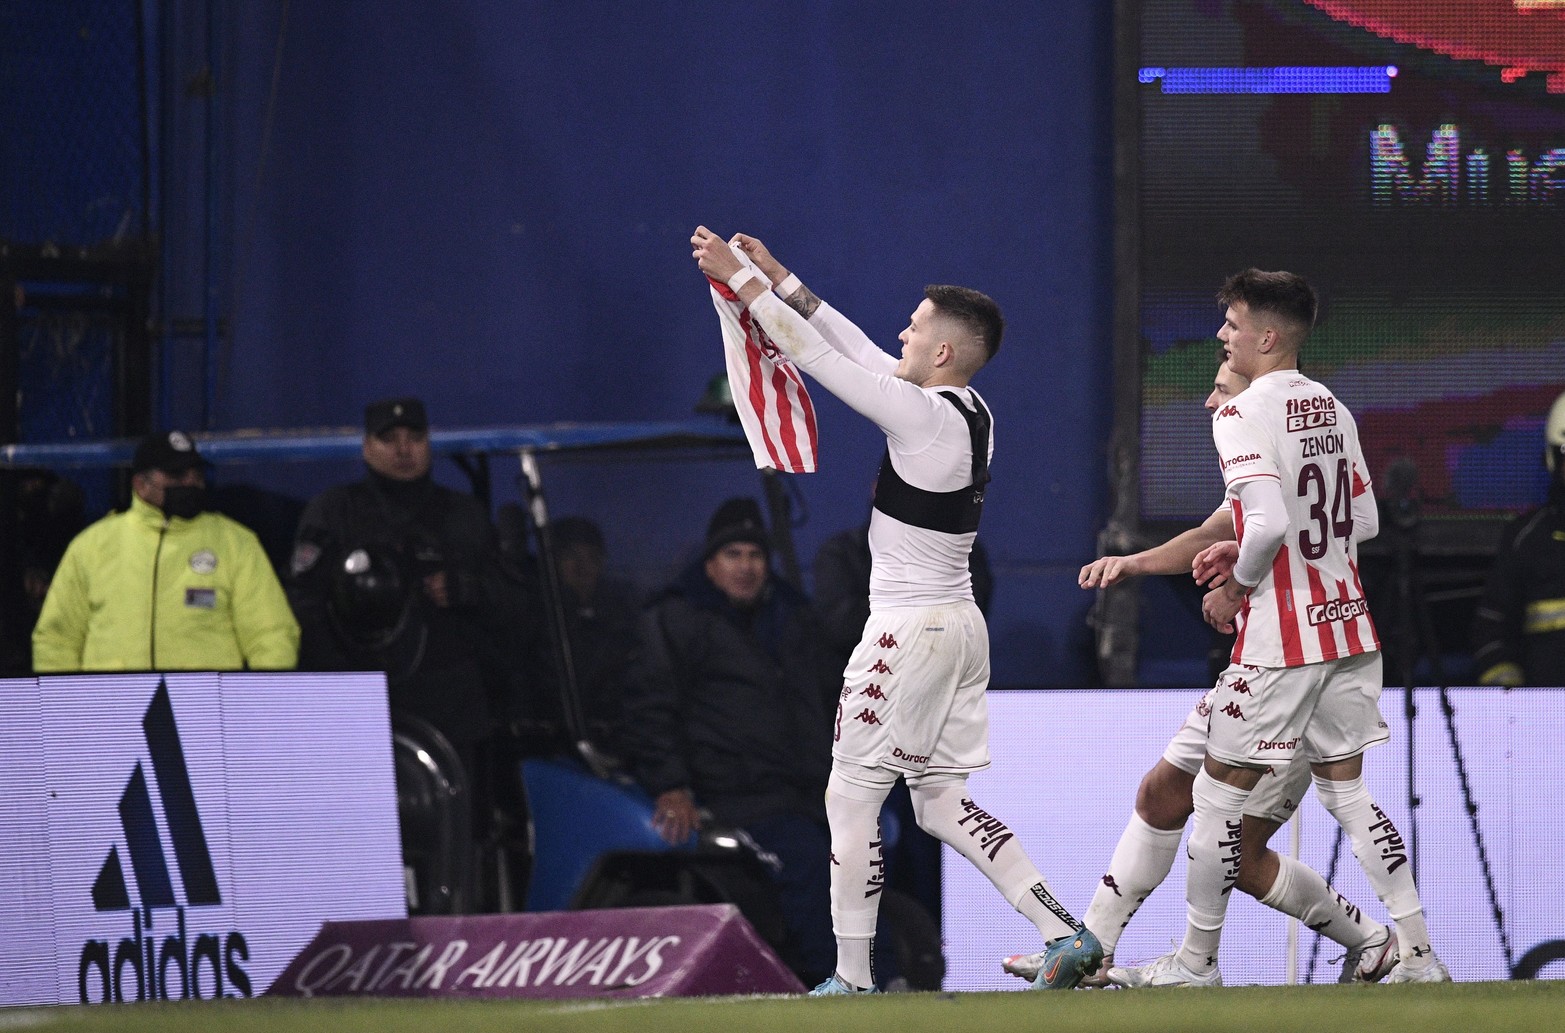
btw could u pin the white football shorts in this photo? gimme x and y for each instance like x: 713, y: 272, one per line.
x: 913, y: 692
x: 1328, y: 711
x: 1279, y: 791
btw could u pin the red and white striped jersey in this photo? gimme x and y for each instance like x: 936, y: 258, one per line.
x: 1310, y: 605
x: 773, y: 404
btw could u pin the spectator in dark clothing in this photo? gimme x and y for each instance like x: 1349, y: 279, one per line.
x: 49, y: 511
x: 600, y: 620
x: 1519, y: 629
x: 729, y: 714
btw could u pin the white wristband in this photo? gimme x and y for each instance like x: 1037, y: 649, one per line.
x: 790, y: 284
x: 739, y: 279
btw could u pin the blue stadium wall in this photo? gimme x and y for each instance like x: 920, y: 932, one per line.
x: 487, y: 203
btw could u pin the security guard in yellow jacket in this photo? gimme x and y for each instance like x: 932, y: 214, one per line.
x: 164, y: 585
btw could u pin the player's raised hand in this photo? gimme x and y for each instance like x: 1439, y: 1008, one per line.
x: 1214, y: 564
x: 713, y: 255
x: 762, y: 258
x: 1106, y: 571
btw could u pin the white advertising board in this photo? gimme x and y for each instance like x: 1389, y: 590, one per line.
x: 1066, y: 766
x: 185, y: 835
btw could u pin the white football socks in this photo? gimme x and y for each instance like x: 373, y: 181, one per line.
x: 1301, y: 892
x: 858, y: 873
x: 1142, y: 860
x: 1380, y: 850
x: 1214, y: 868
x: 944, y: 810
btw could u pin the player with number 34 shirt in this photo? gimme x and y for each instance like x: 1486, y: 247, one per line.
x: 1312, y: 608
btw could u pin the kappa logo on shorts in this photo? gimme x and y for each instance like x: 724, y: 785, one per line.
x: 879, y: 667
x: 868, y: 717
x: 888, y: 641
x: 873, y: 691
x: 1241, y: 686
x: 1232, y: 710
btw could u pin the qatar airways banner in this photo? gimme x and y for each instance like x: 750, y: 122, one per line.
x: 1066, y: 767
x: 183, y: 836
x: 628, y: 952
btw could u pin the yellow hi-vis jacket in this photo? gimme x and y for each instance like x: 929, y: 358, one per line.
x: 138, y: 591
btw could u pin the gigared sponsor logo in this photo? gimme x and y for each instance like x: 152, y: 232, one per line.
x: 1229, y: 410
x: 1277, y: 744
x: 1248, y: 457
x: 1336, y: 610
x: 887, y: 641
x: 911, y: 758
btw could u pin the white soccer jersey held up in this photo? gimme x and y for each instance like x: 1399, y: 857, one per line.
x: 1309, y: 605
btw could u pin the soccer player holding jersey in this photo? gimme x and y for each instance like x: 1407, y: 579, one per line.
x: 1306, y: 670
x: 912, y: 703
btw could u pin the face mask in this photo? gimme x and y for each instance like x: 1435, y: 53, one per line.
x: 185, y: 501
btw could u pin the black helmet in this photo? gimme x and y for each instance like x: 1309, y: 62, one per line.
x: 373, y: 609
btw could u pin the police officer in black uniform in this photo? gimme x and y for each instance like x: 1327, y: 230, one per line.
x: 399, y: 574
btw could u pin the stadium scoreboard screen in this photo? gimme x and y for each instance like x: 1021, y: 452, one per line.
x: 1409, y: 159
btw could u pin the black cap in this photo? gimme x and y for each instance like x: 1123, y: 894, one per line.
x: 736, y: 520
x: 380, y: 417
x: 171, y: 452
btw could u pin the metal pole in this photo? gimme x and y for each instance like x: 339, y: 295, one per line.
x: 554, y: 603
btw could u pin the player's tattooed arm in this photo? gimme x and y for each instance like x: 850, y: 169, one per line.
x: 803, y: 301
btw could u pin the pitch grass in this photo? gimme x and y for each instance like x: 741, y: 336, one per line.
x: 1465, y: 1007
